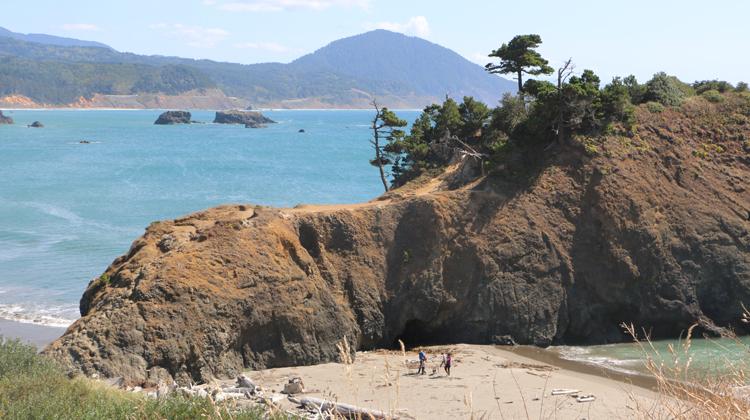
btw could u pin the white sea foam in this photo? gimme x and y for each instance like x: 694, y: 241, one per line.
x: 50, y: 317
x: 585, y: 355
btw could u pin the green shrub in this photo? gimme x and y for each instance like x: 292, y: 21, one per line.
x: 655, y: 107
x: 713, y: 96
x: 717, y: 85
x: 667, y: 90
x: 741, y: 87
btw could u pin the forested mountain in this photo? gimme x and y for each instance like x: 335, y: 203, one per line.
x: 50, y: 39
x: 346, y: 73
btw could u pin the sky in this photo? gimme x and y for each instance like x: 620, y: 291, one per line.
x: 694, y: 40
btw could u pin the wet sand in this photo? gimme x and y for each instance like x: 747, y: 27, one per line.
x: 38, y: 335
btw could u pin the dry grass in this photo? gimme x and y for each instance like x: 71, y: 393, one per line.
x: 684, y: 394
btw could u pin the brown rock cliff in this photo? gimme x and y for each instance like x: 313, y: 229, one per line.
x: 651, y: 229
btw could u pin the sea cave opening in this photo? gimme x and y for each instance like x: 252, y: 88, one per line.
x: 417, y: 333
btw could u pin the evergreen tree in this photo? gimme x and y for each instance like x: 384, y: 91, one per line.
x: 387, y: 128
x: 518, y: 57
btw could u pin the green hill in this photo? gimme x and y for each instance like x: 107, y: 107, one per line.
x: 346, y: 73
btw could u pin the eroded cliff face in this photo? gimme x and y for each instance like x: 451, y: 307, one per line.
x: 649, y: 230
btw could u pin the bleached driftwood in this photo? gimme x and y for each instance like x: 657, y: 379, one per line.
x: 239, y: 390
x: 345, y: 410
x: 565, y: 391
x: 245, y: 382
x: 224, y: 396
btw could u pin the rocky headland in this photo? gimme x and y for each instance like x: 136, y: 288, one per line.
x: 651, y: 229
x: 250, y: 119
x: 4, y: 119
x: 174, y: 117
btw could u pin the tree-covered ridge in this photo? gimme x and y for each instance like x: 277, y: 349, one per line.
x: 406, y: 70
x: 576, y: 106
x: 71, y: 81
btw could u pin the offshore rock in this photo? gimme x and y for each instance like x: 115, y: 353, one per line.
x: 5, y: 119
x: 643, y: 231
x: 174, y: 117
x: 249, y: 119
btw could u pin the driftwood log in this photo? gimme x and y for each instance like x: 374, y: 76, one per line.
x: 344, y: 410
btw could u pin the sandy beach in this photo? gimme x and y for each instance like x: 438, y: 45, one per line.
x: 486, y: 382
x: 38, y: 335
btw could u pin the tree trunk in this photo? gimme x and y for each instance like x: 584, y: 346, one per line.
x: 520, y: 82
x: 376, y: 142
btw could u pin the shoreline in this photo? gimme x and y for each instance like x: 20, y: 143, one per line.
x: 38, y: 335
x: 555, y: 359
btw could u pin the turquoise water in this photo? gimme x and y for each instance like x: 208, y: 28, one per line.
x: 704, y: 358
x: 68, y: 209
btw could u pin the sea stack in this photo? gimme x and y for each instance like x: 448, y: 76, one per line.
x: 174, y: 117
x: 36, y: 124
x: 251, y: 119
x: 4, y: 119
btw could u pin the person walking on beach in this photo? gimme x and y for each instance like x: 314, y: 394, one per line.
x: 446, y: 363
x: 422, y: 362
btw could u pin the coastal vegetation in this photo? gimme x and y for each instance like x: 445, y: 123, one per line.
x: 575, y: 108
x: 35, y: 387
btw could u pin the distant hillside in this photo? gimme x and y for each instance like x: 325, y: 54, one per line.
x: 50, y: 39
x: 429, y: 69
x: 65, y: 83
x: 345, y: 74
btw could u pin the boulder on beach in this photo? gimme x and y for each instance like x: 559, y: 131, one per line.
x: 4, y: 119
x: 174, y: 117
x: 251, y: 119
x: 36, y: 124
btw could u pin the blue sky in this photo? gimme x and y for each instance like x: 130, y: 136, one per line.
x: 691, y: 39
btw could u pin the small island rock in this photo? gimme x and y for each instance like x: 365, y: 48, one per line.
x: 174, y: 117
x: 4, y: 119
x: 36, y: 124
x: 250, y: 119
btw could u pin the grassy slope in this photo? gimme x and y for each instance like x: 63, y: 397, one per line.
x: 32, y: 386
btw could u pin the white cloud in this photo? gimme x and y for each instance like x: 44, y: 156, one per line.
x: 264, y: 46
x: 418, y: 25
x: 282, y: 5
x: 81, y: 27
x: 195, y: 36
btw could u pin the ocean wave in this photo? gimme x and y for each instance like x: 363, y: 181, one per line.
x: 53, y: 316
x: 587, y: 355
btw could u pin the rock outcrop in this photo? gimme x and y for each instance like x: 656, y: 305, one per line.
x: 174, y: 117
x: 651, y: 229
x: 5, y: 119
x: 250, y: 119
x: 36, y: 124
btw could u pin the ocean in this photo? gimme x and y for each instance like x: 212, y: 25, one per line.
x: 704, y: 358
x: 67, y: 209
